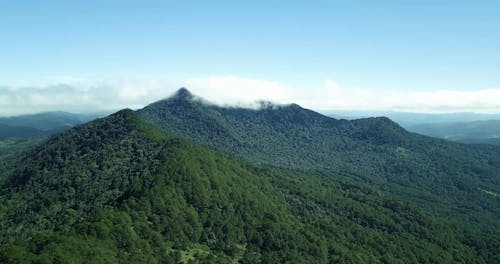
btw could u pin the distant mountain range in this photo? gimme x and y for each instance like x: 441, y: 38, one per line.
x: 461, y: 127
x: 487, y: 131
x: 407, y: 119
x: 41, y: 124
x: 470, y: 128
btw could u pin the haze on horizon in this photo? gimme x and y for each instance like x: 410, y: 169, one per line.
x: 414, y: 56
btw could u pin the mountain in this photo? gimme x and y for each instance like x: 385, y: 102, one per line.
x: 49, y: 120
x: 471, y: 128
x: 118, y: 190
x: 487, y: 131
x: 407, y: 119
x: 453, y: 180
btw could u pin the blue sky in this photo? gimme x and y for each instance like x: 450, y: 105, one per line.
x: 389, y: 48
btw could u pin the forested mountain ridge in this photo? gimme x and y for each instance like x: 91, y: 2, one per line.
x: 120, y: 190
x: 448, y: 178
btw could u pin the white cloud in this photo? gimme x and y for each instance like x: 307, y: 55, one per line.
x: 486, y: 100
x: 83, y: 96
x: 242, y: 91
x: 331, y: 95
x: 86, y: 95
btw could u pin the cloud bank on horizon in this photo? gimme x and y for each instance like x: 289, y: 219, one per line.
x: 89, y: 96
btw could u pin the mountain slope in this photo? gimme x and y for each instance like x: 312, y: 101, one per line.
x: 119, y: 190
x: 450, y: 179
x: 7, y: 131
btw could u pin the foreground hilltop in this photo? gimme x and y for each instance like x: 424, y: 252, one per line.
x: 454, y: 180
x: 118, y: 190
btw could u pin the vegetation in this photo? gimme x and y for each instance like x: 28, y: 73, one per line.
x: 10, y: 149
x: 9, y: 132
x: 444, y: 177
x: 120, y: 190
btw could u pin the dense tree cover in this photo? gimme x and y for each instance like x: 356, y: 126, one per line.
x: 13, y: 147
x: 10, y: 149
x: 119, y: 190
x: 453, y: 180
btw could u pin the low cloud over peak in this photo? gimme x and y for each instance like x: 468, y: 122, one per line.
x: 85, y: 96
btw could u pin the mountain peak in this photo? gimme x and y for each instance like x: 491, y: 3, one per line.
x: 183, y: 93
